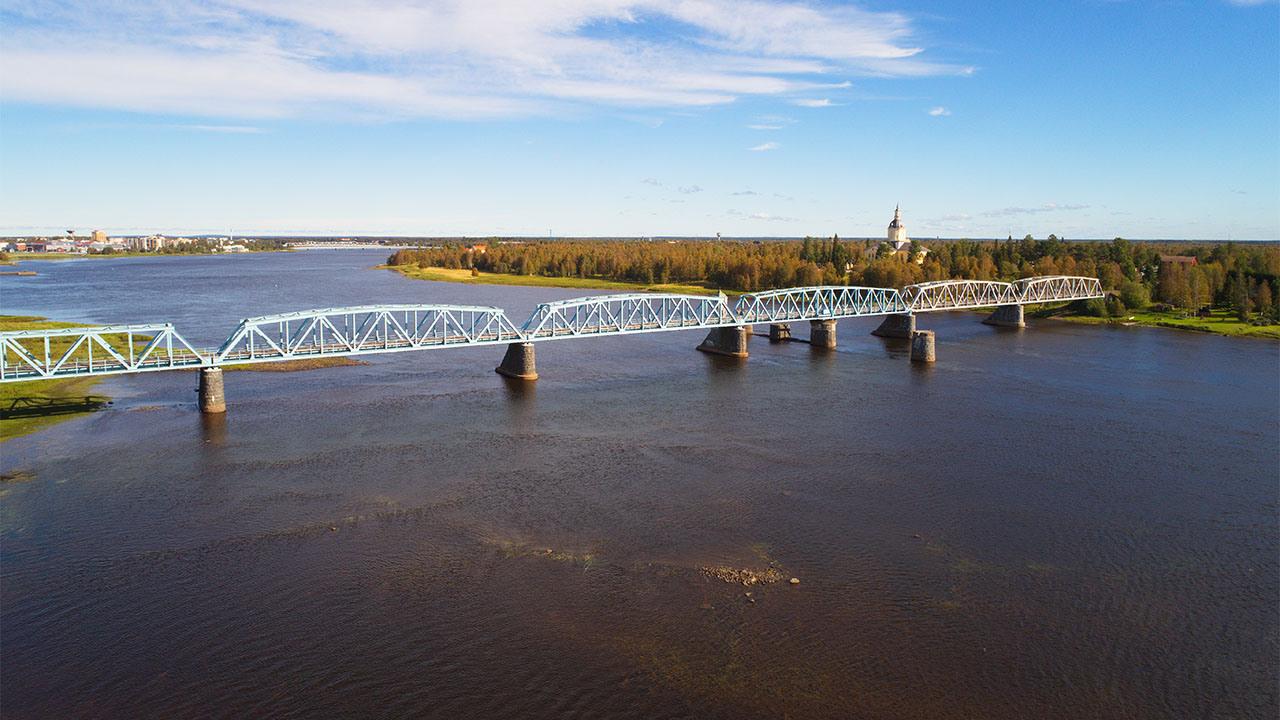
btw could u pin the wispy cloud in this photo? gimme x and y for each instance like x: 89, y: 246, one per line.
x: 812, y: 102
x: 764, y: 147
x: 939, y: 111
x: 771, y: 218
x: 228, y: 129
x: 745, y: 192
x: 771, y: 122
x: 652, y: 181
x: 443, y: 58
x: 690, y: 189
x: 1047, y: 207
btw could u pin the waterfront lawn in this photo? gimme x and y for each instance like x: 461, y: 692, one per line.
x: 1221, y: 321
x: 29, y: 406
x: 464, y: 276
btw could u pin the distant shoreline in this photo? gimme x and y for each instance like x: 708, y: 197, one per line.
x: 15, y: 258
x: 465, y: 277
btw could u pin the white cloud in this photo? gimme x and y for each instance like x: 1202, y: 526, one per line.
x: 812, y: 102
x: 764, y: 127
x: 690, y: 189
x: 371, y: 60
x: 745, y: 192
x: 763, y: 147
x: 939, y: 111
x: 228, y: 129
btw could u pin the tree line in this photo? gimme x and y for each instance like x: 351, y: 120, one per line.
x: 1242, y: 276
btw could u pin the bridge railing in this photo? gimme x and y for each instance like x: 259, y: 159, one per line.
x: 624, y: 314
x: 363, y: 330
x: 103, y: 350
x: 818, y: 303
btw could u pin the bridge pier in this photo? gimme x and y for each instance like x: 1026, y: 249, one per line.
x: 922, y: 347
x: 896, y: 326
x: 779, y: 332
x: 727, y: 341
x: 1007, y: 316
x: 212, y: 399
x: 519, y: 362
x: 822, y: 334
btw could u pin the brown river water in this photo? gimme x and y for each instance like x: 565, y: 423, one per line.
x: 1062, y: 522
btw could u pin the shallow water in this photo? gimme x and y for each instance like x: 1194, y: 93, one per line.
x: 1067, y: 521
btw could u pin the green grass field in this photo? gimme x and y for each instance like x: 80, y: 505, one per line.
x: 1221, y: 321
x: 29, y: 406
x: 464, y: 276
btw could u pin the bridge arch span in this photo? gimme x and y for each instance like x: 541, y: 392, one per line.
x: 626, y: 313
x: 959, y: 294
x: 821, y: 302
x: 363, y: 329
x: 1058, y: 288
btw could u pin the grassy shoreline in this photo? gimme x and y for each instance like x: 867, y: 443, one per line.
x: 464, y: 276
x: 1220, y: 322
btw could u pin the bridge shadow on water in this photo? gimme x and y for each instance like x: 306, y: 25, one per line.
x: 42, y: 406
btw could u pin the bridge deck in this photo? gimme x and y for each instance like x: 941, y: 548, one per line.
x: 365, y: 330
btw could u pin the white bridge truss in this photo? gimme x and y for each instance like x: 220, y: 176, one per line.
x: 625, y: 314
x: 363, y: 330
x: 818, y: 303
x: 110, y: 349
x: 117, y: 349
x: 1057, y: 288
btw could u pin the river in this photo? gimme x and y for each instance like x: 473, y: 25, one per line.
x: 1066, y: 521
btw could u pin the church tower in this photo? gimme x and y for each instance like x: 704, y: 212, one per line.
x: 898, y: 231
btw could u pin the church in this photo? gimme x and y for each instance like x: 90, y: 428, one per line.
x: 897, y: 237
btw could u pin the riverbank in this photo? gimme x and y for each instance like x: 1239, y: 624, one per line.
x: 464, y: 276
x: 26, y: 407
x: 1220, y: 322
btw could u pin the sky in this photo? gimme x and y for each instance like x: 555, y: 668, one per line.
x: 1088, y: 119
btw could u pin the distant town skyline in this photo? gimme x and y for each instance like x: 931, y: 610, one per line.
x: 769, y: 118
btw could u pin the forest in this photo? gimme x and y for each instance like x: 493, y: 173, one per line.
x: 1183, y: 275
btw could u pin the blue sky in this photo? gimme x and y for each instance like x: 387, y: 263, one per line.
x: 653, y: 117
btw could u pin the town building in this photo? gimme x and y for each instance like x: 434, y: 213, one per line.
x: 1179, y: 260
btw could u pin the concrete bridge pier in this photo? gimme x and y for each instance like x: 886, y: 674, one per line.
x: 896, y: 326
x: 779, y: 332
x: 922, y: 347
x: 1007, y: 316
x: 727, y: 341
x: 518, y: 363
x: 822, y: 334
x: 212, y: 399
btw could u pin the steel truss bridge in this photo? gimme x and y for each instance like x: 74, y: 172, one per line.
x: 366, y: 330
